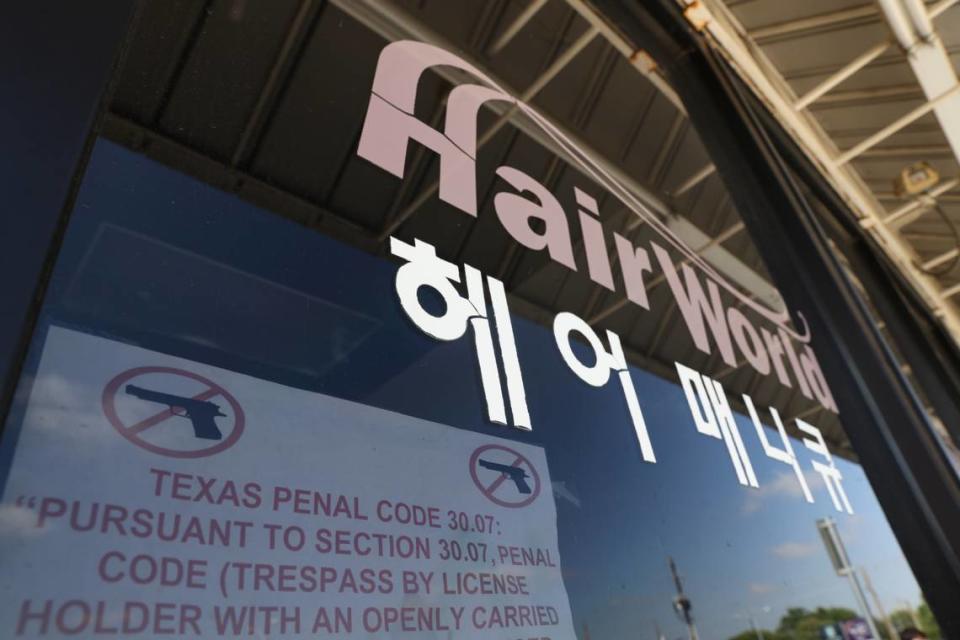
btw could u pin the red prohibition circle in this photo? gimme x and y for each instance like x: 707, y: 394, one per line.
x: 109, y: 409
x: 488, y: 491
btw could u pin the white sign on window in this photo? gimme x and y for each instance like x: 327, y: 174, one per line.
x: 152, y: 496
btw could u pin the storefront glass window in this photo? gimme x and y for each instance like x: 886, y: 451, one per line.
x: 347, y: 339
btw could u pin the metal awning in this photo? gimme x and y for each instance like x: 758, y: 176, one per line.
x: 184, y: 98
x: 867, y: 90
x: 865, y: 93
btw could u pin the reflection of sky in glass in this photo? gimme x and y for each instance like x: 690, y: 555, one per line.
x: 158, y: 259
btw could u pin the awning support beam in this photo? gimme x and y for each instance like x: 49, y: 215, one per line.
x: 842, y: 74
x: 516, y: 26
x: 896, y: 126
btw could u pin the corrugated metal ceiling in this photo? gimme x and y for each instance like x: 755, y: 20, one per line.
x: 266, y: 99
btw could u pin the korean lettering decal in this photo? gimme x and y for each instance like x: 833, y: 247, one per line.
x: 712, y: 415
x: 535, y: 219
x: 425, y: 269
x: 607, y: 361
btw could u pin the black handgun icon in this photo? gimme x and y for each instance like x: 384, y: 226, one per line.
x: 200, y: 412
x: 518, y: 475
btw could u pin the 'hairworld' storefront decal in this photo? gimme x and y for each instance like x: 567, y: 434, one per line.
x: 533, y: 217
x: 157, y: 496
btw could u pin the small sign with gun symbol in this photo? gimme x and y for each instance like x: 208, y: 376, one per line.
x: 504, y: 476
x: 141, y: 412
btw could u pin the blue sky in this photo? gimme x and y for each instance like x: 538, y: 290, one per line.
x: 742, y: 551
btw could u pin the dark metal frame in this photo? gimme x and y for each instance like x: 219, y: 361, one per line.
x: 57, y: 61
x: 57, y: 64
x: 923, y: 343
x: 915, y: 483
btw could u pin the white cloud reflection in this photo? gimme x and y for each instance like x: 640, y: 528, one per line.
x: 792, y: 550
x: 784, y: 484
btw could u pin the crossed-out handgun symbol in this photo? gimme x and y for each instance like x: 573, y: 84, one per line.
x: 518, y: 475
